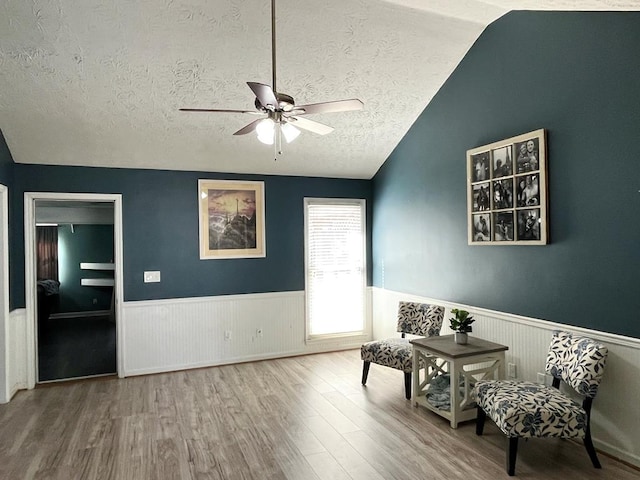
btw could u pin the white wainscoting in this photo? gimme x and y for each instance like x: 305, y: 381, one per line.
x: 17, y: 349
x: 616, y: 415
x: 176, y: 334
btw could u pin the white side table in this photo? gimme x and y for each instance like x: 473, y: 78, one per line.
x: 474, y: 361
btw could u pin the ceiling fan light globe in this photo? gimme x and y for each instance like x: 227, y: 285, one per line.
x: 265, y: 130
x: 290, y: 132
x: 266, y: 139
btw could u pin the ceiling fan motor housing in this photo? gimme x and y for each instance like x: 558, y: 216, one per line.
x: 285, y: 103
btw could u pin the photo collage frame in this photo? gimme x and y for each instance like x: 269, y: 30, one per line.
x: 507, y: 191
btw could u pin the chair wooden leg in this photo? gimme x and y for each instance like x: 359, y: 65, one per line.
x: 365, y: 372
x: 512, y: 451
x: 591, y: 450
x: 480, y: 421
x: 407, y: 385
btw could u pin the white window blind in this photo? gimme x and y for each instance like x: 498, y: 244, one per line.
x: 335, y: 266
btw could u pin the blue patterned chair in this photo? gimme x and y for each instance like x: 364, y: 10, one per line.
x: 414, y: 319
x: 527, y: 409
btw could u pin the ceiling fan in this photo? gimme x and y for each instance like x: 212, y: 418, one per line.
x: 283, y: 116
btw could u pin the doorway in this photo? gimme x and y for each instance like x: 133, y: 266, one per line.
x: 73, y: 245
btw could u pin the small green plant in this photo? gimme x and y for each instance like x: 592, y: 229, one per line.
x: 461, y: 322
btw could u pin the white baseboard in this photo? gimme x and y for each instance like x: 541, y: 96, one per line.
x: 230, y: 361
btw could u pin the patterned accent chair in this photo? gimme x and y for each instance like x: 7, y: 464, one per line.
x: 414, y: 319
x: 527, y: 409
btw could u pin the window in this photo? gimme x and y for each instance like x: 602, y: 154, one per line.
x: 335, y: 266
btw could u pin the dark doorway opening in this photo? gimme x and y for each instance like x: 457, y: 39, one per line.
x: 76, y: 324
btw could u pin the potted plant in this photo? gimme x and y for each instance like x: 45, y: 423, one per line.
x: 461, y: 325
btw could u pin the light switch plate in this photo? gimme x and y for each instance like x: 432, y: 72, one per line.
x: 151, y: 277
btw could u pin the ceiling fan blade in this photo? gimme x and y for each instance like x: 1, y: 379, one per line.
x: 264, y: 94
x: 310, y: 125
x: 219, y: 110
x: 329, y: 107
x: 248, y: 128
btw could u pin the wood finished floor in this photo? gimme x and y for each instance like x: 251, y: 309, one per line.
x: 300, y: 418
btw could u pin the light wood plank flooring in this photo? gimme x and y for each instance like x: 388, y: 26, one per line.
x: 300, y: 418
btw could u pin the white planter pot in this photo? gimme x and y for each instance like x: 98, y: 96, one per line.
x: 461, y: 338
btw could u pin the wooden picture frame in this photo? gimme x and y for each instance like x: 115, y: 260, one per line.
x: 231, y: 219
x: 507, y: 200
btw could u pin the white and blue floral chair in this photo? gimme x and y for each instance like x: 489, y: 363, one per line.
x: 527, y: 409
x: 414, y: 319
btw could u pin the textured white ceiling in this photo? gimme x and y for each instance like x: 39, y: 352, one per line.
x: 100, y: 82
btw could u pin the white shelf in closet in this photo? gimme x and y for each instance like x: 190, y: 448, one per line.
x: 97, y: 266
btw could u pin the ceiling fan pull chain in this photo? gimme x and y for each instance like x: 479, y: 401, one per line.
x: 279, y: 138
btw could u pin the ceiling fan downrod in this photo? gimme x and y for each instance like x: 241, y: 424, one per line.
x: 273, y: 45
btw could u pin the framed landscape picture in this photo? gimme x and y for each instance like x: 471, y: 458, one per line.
x: 231, y: 219
x: 507, y: 191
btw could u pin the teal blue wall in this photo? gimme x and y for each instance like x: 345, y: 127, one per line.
x: 6, y: 179
x: 160, y: 229
x: 85, y: 244
x: 6, y: 162
x: 578, y: 76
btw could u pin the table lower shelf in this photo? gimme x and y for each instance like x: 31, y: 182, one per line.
x: 466, y: 414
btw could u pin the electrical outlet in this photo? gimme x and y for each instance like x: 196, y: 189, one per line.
x: 511, y: 370
x: 152, y: 277
x: 542, y: 378
x: 227, y: 335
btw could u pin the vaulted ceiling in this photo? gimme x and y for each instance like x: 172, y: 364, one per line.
x: 100, y: 82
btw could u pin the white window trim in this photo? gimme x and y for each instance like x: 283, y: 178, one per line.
x: 364, y: 333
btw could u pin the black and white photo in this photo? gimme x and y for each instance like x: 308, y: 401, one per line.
x: 481, y: 228
x: 528, y: 156
x: 502, y: 162
x: 481, y: 197
x: 503, y: 194
x: 503, y: 226
x: 480, y: 165
x: 528, y: 191
x: 529, y: 224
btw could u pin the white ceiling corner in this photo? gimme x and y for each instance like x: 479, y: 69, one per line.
x: 99, y: 83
